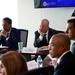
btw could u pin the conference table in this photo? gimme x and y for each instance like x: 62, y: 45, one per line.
x: 27, y: 55
x: 16, y: 49
x: 45, y: 62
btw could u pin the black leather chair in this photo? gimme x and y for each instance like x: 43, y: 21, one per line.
x: 48, y: 70
x: 24, y: 36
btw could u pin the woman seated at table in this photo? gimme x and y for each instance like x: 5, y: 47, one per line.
x: 12, y: 63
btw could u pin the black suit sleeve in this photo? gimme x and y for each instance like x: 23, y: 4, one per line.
x: 36, y: 40
x: 14, y: 38
x: 3, y: 40
x: 66, y: 70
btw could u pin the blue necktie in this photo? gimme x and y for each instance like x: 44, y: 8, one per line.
x: 44, y: 38
x: 7, y: 43
x: 7, y: 35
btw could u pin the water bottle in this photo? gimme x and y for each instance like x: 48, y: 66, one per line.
x: 39, y: 61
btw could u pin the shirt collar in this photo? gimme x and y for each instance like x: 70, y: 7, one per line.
x: 9, y: 31
x: 61, y: 56
x: 46, y: 33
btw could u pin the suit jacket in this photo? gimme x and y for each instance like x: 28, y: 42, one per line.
x: 13, y: 39
x: 73, y: 48
x: 47, y: 70
x: 38, y: 43
x: 66, y: 66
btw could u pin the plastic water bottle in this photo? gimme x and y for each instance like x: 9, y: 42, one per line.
x: 39, y: 61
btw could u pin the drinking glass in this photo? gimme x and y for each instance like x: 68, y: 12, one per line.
x: 20, y: 46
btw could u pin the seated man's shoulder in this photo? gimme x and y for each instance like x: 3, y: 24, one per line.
x: 36, y: 32
x: 14, y: 29
x: 56, y: 31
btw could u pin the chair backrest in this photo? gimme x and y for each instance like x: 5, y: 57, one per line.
x: 48, y: 70
x: 24, y: 36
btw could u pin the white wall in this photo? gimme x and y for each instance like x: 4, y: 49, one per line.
x: 29, y: 17
x: 8, y: 8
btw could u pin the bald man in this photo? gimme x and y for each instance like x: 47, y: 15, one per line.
x: 59, y: 47
x: 43, y: 35
x: 44, y: 29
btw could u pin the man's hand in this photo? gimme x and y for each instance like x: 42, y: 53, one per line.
x: 4, y: 33
x: 53, y: 62
x: 40, y: 32
x: 0, y: 34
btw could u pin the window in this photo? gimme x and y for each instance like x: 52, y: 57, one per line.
x: 9, y: 8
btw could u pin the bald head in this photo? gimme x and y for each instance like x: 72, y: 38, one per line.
x: 45, y: 21
x: 62, y: 38
x: 44, y: 26
x: 59, y: 43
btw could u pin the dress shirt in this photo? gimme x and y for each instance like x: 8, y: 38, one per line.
x: 41, y: 36
x: 8, y: 35
x: 73, y: 48
x: 61, y: 57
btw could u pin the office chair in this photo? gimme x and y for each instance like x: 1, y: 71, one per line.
x: 48, y: 70
x: 24, y: 36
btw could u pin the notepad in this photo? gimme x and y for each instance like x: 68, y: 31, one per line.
x: 3, y: 47
x: 32, y: 64
x: 43, y: 49
x: 29, y: 50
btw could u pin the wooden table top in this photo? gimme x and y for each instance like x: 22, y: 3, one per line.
x: 16, y: 49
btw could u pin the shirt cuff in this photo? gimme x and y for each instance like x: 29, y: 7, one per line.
x: 40, y: 37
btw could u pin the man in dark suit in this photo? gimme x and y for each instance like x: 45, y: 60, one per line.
x: 9, y: 36
x: 59, y: 47
x: 44, y: 29
x: 42, y: 41
x: 71, y: 32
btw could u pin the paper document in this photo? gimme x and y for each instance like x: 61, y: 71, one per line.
x: 3, y: 47
x: 43, y: 49
x: 29, y: 50
x: 32, y: 64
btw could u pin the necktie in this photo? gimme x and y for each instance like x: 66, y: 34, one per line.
x: 7, y: 35
x: 73, y: 48
x: 7, y: 43
x: 44, y: 38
